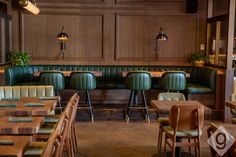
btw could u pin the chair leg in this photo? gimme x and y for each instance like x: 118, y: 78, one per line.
x: 58, y: 94
x: 129, y: 106
x: 173, y: 149
x: 164, y: 151
x: 199, y: 146
x: 136, y: 98
x: 75, y: 136
x: 160, y: 137
x: 145, y: 106
x: 90, y: 105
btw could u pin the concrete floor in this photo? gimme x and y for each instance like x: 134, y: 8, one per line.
x: 118, y: 139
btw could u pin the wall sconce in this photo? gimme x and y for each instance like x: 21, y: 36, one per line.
x: 62, y: 37
x: 28, y: 5
x: 160, y: 37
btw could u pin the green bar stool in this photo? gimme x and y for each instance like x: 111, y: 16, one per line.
x: 173, y: 81
x: 137, y: 81
x: 54, y: 78
x: 84, y: 80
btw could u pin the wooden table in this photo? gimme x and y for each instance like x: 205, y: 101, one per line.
x: 21, y: 110
x: 22, y: 128
x: 164, y: 107
x: 17, y: 149
x: 67, y: 73
x: 152, y: 73
x: 231, y: 104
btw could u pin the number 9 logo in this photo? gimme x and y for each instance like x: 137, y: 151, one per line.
x: 221, y: 140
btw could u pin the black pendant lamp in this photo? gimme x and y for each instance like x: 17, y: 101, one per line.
x: 62, y: 37
x: 160, y: 37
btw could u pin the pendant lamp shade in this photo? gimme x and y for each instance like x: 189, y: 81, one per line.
x: 62, y: 36
x: 161, y: 35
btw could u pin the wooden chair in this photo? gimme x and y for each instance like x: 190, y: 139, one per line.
x: 71, y: 142
x: 50, y: 148
x: 164, y: 121
x: 185, y: 122
x: 64, y: 128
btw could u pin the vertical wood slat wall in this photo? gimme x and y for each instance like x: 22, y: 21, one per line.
x: 110, y: 32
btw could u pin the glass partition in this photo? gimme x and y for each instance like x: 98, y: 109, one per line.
x: 217, y: 40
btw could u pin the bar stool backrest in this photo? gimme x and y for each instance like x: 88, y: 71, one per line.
x: 54, y: 78
x: 138, y: 80
x: 82, y: 80
x: 173, y: 81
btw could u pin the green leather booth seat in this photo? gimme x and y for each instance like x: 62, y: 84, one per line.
x: 25, y: 91
x: 202, y: 79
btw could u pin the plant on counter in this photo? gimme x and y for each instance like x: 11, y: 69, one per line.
x: 199, y: 59
x: 19, y: 58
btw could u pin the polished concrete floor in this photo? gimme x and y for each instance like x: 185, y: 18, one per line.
x: 119, y: 139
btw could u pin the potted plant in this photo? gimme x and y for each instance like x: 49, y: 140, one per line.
x: 199, y: 59
x: 19, y: 58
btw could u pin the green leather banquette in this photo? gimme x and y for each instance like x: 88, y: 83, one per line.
x: 202, y: 79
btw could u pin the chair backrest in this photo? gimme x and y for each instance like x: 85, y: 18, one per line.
x: 186, y: 117
x: 138, y: 80
x: 83, y: 80
x: 71, y: 108
x: 64, y: 125
x: 173, y: 80
x: 171, y: 96
x: 52, y: 148
x: 25, y: 91
x: 54, y: 78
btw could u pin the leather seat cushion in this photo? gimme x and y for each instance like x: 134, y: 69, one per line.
x: 193, y: 88
x: 183, y: 133
x: 110, y: 85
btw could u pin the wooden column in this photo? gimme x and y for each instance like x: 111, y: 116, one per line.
x: 229, y: 70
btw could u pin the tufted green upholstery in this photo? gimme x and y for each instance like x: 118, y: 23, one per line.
x: 112, y: 77
x: 171, y: 96
x: 83, y: 80
x: 138, y: 80
x: 56, y: 79
x: 173, y: 80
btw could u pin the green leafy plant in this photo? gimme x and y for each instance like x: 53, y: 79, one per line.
x: 198, y: 56
x: 19, y: 58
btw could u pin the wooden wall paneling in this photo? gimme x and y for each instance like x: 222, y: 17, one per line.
x: 73, y: 1
x: 135, y: 37
x: 2, y: 39
x: 108, y: 19
x: 85, y: 36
